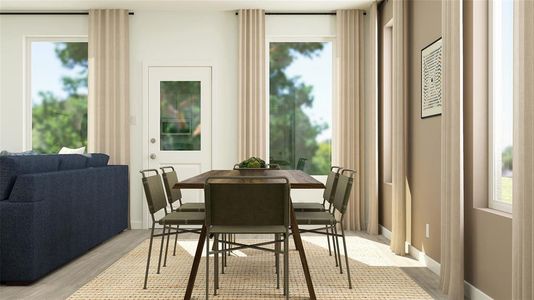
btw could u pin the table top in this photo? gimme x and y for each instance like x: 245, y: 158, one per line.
x: 297, y: 179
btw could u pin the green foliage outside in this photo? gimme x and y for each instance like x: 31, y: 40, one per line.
x: 506, y: 189
x: 292, y: 133
x: 506, y: 179
x: 60, y: 122
x: 180, y: 115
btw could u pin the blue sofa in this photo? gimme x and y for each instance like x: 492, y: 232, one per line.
x: 54, y: 208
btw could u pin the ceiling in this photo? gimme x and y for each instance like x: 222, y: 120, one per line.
x: 217, y: 5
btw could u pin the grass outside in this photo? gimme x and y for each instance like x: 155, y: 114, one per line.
x: 506, y: 189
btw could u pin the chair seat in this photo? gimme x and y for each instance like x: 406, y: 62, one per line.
x: 247, y: 229
x: 199, y: 207
x: 183, y: 218
x: 308, y: 206
x: 315, y: 218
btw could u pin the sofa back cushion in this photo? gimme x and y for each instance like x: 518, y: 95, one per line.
x: 13, y: 166
x: 72, y: 161
x: 98, y: 160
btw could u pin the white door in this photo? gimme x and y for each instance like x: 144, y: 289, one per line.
x: 179, y: 121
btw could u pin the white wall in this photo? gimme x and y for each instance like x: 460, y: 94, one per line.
x: 191, y: 37
x: 13, y: 30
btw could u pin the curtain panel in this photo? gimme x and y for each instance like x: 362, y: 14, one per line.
x: 452, y: 160
x: 108, y: 102
x: 398, y: 122
x: 252, y: 102
x: 523, y: 156
x: 349, y: 121
x: 108, y: 108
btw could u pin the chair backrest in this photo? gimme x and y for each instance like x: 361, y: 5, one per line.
x: 170, y: 178
x: 155, y: 196
x: 261, y: 202
x: 301, y: 164
x: 331, y: 183
x: 343, y: 189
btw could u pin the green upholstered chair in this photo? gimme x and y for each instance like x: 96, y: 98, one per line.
x: 235, y: 206
x: 156, y: 201
x: 327, y: 219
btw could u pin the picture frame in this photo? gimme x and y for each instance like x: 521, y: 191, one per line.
x: 431, y: 77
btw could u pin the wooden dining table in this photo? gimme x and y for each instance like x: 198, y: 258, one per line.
x: 297, y: 180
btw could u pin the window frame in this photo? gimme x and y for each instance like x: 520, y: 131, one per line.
x: 301, y: 39
x: 494, y: 159
x: 27, y: 78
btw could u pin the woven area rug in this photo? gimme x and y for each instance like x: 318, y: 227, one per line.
x: 248, y: 276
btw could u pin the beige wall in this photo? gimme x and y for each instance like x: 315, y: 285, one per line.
x: 424, y: 135
x: 488, y: 234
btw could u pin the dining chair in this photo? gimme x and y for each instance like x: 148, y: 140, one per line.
x: 256, y: 207
x: 328, y: 219
x: 170, y: 179
x: 156, y: 201
x: 301, y: 164
x: 328, y: 195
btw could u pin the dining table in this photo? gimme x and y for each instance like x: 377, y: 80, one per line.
x: 297, y: 180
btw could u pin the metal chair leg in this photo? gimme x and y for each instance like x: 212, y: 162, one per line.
x: 338, y: 250
x: 277, y: 259
x: 223, y: 253
x: 334, y: 245
x: 286, y: 265
x: 216, y: 265
x: 176, y: 240
x: 161, y: 247
x: 346, y: 256
x: 207, y: 265
x: 167, y: 247
x: 328, y: 241
x: 149, y: 253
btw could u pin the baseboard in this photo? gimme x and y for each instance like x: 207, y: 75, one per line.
x: 431, y: 264
x: 385, y: 232
x: 136, y: 225
x: 471, y: 292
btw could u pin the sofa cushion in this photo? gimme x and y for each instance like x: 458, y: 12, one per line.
x: 72, y: 161
x: 98, y: 160
x: 13, y: 166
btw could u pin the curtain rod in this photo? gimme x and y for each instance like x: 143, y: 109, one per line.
x: 299, y: 13
x: 42, y: 13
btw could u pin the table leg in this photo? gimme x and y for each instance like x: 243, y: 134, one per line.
x: 196, y: 262
x: 300, y: 249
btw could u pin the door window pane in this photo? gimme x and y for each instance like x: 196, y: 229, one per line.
x: 59, y: 95
x: 300, y: 122
x: 180, y: 115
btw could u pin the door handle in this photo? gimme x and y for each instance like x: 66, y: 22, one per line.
x: 152, y: 156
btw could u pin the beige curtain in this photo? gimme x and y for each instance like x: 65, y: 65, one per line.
x: 349, y: 134
x: 371, y: 128
x: 252, y: 105
x: 523, y: 183
x: 108, y: 103
x: 398, y: 121
x: 452, y: 166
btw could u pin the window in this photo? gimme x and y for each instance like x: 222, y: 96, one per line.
x: 57, y: 85
x: 501, y: 104
x: 300, y: 109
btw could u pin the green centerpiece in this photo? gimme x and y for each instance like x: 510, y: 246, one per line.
x: 253, y: 163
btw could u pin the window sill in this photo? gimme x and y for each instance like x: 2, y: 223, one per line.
x: 495, y: 212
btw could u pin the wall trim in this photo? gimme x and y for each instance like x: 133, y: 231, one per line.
x: 471, y: 292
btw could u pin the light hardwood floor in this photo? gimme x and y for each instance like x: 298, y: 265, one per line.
x: 65, y: 281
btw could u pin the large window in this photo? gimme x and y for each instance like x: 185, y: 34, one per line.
x: 57, y: 85
x: 300, y: 90
x: 501, y: 104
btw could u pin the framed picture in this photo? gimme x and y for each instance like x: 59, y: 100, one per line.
x: 431, y: 74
